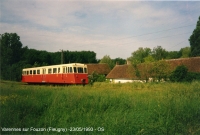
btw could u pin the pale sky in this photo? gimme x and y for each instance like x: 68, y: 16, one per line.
x: 114, y: 28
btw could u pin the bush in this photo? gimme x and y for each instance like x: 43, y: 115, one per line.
x: 192, y: 76
x: 95, y: 77
x: 181, y: 74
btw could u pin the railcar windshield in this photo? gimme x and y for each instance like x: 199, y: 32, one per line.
x: 80, y: 70
x: 85, y: 70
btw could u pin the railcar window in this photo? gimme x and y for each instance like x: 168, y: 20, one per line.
x: 85, y: 70
x: 54, y: 70
x: 38, y: 71
x: 27, y: 72
x: 31, y: 72
x: 75, y: 70
x: 49, y: 71
x: 80, y: 70
x: 34, y: 72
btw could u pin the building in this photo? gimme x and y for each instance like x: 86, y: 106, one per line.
x: 123, y: 74
x: 102, y: 68
x: 128, y: 73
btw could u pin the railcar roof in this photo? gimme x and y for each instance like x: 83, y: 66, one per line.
x: 70, y: 64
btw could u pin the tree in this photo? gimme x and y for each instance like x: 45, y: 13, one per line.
x: 160, y: 70
x: 195, y: 40
x: 108, y: 60
x: 11, y: 53
x: 119, y: 61
x: 80, y: 57
x: 159, y: 53
x: 139, y: 55
x: 185, y: 52
x: 179, y: 74
x: 32, y: 56
x: 173, y: 54
x: 147, y: 67
x: 44, y: 58
x: 149, y: 59
x: 95, y: 77
x: 10, y: 48
x: 5, y: 55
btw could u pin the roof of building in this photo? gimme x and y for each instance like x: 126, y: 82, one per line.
x: 122, y: 72
x: 192, y: 63
x: 129, y: 72
x: 101, y: 68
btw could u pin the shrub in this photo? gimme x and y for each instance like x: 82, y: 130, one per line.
x: 192, y: 76
x: 181, y: 74
x: 94, y: 77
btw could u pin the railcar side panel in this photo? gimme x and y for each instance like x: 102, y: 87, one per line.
x: 32, y: 78
x: 56, y: 78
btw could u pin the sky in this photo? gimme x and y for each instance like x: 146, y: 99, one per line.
x: 114, y: 28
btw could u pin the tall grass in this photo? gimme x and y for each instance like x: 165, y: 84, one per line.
x: 124, y: 109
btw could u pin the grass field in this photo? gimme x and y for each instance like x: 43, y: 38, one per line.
x: 110, y: 109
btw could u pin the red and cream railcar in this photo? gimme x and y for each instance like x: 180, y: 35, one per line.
x: 74, y: 73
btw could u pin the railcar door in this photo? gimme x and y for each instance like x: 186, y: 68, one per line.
x: 44, y: 75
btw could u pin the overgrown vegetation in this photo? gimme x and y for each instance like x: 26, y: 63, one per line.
x: 132, y: 108
x: 95, y: 77
x: 160, y: 70
x: 181, y: 74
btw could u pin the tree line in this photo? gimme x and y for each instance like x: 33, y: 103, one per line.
x: 142, y: 55
x: 14, y: 57
x: 157, y: 53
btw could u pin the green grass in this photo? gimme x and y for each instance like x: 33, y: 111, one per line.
x: 118, y: 109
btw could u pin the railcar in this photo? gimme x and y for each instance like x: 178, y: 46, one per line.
x: 74, y: 73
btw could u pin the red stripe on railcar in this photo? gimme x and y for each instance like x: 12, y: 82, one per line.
x: 72, y: 78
